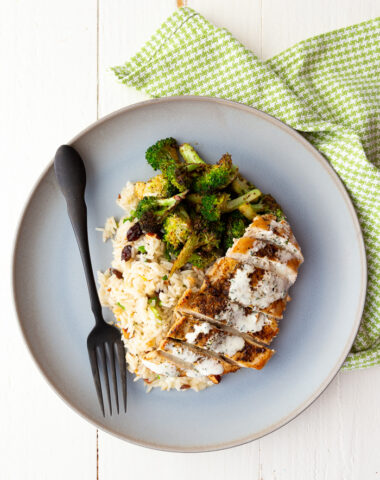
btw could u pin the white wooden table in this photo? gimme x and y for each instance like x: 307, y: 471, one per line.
x: 54, y: 81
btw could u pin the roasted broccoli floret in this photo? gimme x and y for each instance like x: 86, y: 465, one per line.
x: 202, y: 259
x: 152, y: 211
x: 190, y: 155
x: 235, y: 227
x: 210, y: 234
x: 211, y: 206
x: 163, y: 156
x: 205, y: 235
x: 215, y: 177
x: 177, y: 227
x: 206, y: 224
x: 158, y: 186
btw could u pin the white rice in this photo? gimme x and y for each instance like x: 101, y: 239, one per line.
x: 130, y: 298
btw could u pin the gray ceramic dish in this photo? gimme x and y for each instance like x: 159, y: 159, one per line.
x: 319, y: 325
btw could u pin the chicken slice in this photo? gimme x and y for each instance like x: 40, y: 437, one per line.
x: 200, y: 362
x: 253, y: 287
x: 206, y: 336
x: 163, y: 363
x: 158, y: 363
x: 217, y: 310
x: 267, y: 256
x: 275, y: 232
x: 220, y: 273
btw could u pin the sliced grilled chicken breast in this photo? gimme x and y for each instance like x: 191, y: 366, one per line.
x: 253, y: 287
x: 202, y: 362
x: 158, y: 363
x: 204, y: 335
x: 265, y: 255
x: 217, y: 310
x: 276, y: 232
x: 164, y: 363
x: 218, y: 327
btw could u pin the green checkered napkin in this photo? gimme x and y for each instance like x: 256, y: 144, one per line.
x: 326, y: 87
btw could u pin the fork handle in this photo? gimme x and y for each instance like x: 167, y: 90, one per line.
x: 71, y: 175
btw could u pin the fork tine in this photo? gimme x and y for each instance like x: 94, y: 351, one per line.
x: 102, y: 352
x: 111, y: 353
x: 95, y: 374
x: 122, y: 368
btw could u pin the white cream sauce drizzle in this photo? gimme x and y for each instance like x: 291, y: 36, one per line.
x: 226, y: 344
x: 203, y: 365
x: 240, y: 287
x: 285, y: 240
x: 164, y: 368
x: 269, y: 289
x: 209, y: 366
x: 203, y: 327
x: 184, y: 354
x: 235, y: 316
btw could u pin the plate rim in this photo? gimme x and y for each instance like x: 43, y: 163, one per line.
x: 334, y: 370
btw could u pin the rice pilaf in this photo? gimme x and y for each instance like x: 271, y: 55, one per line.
x: 142, y: 296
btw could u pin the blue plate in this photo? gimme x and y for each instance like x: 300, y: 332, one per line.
x: 319, y: 325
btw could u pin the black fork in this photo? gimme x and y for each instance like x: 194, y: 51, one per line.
x: 104, y: 341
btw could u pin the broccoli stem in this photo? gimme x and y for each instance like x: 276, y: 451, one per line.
x: 249, y: 197
x: 261, y: 207
x: 268, y: 205
x: 195, y: 198
x: 241, y: 186
x: 190, y: 167
x: 189, y: 154
x: 170, y: 203
x: 241, y: 203
x: 258, y: 207
x: 247, y: 210
x: 191, y: 244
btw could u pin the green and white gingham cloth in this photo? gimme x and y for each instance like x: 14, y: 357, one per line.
x: 326, y: 87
